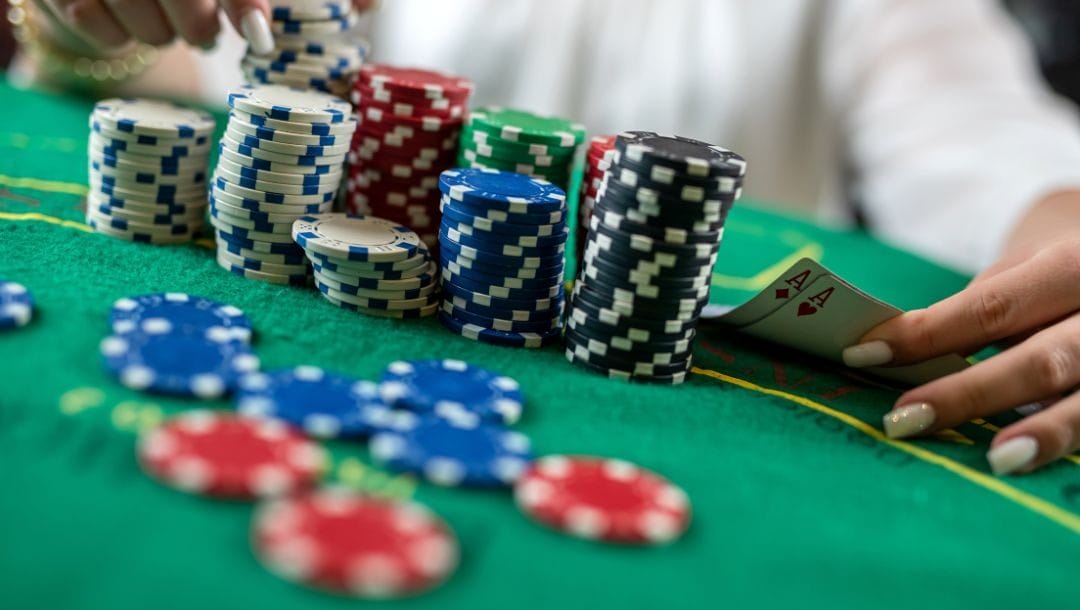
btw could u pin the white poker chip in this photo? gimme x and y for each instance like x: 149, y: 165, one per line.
x: 290, y: 104
x: 153, y: 118
x: 16, y: 305
x: 356, y: 238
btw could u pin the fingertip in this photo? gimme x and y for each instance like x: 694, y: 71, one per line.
x: 869, y: 353
x: 1014, y: 455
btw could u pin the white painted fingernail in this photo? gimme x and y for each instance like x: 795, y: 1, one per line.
x: 871, y: 353
x: 1013, y: 454
x: 908, y: 420
x: 257, y: 32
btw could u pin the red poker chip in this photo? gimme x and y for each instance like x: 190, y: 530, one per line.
x: 429, y: 83
x: 402, y: 147
x: 417, y: 98
x: 407, y: 136
x: 603, y: 499
x: 364, y: 97
x: 602, y: 143
x: 345, y: 542
x: 375, y: 116
x: 229, y: 456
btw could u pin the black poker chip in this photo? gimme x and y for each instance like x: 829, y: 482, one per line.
x: 684, y: 155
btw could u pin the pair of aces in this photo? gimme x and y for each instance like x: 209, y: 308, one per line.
x: 811, y: 309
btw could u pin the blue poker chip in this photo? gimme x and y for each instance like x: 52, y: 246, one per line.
x: 152, y: 118
x: 241, y: 241
x: 453, y: 453
x: 356, y: 238
x: 484, y: 226
x: 498, y: 337
x: 452, y: 268
x: 546, y: 303
x: 290, y: 104
x: 533, y: 325
x: 323, y: 404
x: 449, y: 388
x: 484, y: 314
x: 492, y: 259
x: 550, y: 289
x: 202, y: 365
x: 161, y: 193
x: 459, y: 264
x: 482, y: 213
x: 500, y: 190
x: 16, y: 305
x: 170, y: 312
x: 531, y: 245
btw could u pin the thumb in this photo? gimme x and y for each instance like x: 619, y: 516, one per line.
x: 252, y: 19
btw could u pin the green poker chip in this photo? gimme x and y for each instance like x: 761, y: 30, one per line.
x: 526, y: 127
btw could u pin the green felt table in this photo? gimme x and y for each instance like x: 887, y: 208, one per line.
x: 798, y: 500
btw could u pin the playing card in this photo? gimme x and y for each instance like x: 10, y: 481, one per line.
x: 789, y: 284
x: 829, y: 315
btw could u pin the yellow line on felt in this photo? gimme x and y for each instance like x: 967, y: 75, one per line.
x: 71, y: 224
x: 1055, y: 513
x: 51, y: 186
x: 767, y: 275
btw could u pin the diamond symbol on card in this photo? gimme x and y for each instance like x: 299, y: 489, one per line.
x: 782, y: 293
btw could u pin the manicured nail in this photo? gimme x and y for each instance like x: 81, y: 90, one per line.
x: 1012, y: 455
x: 908, y: 420
x: 871, y: 353
x: 257, y: 32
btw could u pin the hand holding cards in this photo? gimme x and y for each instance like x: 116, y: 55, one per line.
x: 811, y: 309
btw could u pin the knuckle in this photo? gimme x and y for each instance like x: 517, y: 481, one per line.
x: 993, y: 312
x: 917, y: 333
x: 1054, y: 368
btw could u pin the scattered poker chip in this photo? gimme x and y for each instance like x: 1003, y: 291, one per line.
x: 353, y: 544
x: 356, y: 237
x: 323, y: 404
x: 171, y: 312
x: 454, y: 453
x: 223, y: 455
x: 290, y: 104
x: 451, y: 387
x: 16, y: 305
x: 147, y: 170
x: 603, y: 499
x: 203, y: 364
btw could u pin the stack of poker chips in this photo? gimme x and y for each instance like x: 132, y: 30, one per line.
x: 597, y: 162
x: 148, y: 167
x: 522, y: 142
x: 315, y: 47
x: 369, y: 265
x: 410, y: 121
x: 653, y: 238
x: 281, y: 158
x: 502, y: 247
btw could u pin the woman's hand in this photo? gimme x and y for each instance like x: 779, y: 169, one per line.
x: 1031, y: 301
x: 110, y: 25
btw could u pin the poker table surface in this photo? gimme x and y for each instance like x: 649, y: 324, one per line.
x: 798, y: 499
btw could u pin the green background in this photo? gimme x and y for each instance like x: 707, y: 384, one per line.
x: 798, y: 500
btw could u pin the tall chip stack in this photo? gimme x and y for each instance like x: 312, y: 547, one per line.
x: 523, y: 142
x: 410, y: 121
x: 281, y: 158
x: 148, y: 167
x: 597, y: 162
x: 315, y: 47
x: 653, y: 239
x: 502, y: 248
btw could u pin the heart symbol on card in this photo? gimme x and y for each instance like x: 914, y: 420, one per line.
x: 782, y: 293
x: 806, y: 309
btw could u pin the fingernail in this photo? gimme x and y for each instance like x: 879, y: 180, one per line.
x: 908, y: 420
x: 257, y: 32
x: 1012, y: 455
x: 871, y: 353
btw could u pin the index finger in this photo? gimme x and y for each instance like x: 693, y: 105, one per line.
x: 252, y: 19
x: 1031, y: 294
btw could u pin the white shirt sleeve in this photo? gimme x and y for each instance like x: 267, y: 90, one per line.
x: 950, y: 132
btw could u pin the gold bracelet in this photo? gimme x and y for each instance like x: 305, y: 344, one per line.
x: 55, y: 62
